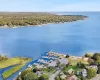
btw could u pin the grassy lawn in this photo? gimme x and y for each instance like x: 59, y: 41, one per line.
x: 11, y: 71
x: 12, y: 61
x: 74, y: 61
x: 74, y: 67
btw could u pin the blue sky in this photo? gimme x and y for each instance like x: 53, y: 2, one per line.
x: 49, y: 5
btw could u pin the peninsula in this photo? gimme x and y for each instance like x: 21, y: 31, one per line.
x: 19, y: 19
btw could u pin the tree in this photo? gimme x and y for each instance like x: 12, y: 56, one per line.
x: 35, y: 70
x: 88, y: 55
x: 24, y: 73
x: 96, y: 56
x: 91, y: 72
x: 30, y: 76
x: 98, y: 71
x: 80, y: 65
x: 67, y: 56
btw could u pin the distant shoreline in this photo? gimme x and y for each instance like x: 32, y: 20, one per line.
x: 39, y: 25
x: 14, y: 20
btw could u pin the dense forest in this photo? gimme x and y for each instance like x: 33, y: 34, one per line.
x: 11, y: 19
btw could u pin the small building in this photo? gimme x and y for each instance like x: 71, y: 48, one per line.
x: 70, y: 71
x: 84, y: 72
x: 39, y: 73
x: 63, y: 76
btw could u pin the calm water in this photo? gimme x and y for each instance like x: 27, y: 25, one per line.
x: 75, y: 38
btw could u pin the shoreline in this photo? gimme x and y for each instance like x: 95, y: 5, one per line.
x: 39, y: 25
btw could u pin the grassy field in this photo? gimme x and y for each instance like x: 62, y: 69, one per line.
x: 74, y: 61
x: 12, y: 61
x: 8, y: 73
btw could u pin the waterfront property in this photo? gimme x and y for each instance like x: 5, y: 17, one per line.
x: 55, y: 66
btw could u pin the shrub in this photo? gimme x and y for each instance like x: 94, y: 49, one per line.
x: 91, y: 72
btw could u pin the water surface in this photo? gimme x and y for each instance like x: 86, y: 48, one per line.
x: 74, y: 38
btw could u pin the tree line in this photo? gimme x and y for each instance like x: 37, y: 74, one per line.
x: 11, y: 19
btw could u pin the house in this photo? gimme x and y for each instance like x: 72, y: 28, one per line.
x: 84, y: 72
x: 70, y: 71
x: 52, y: 64
x: 29, y: 66
x: 63, y: 76
x: 76, y: 58
x: 40, y: 66
x: 94, y: 66
x: 39, y: 73
x: 73, y: 77
x: 63, y: 61
x: 85, y: 59
x: 79, y: 72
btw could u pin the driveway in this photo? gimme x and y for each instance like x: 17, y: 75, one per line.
x: 96, y: 78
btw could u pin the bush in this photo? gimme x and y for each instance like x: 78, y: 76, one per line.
x: 91, y: 72
x: 30, y: 76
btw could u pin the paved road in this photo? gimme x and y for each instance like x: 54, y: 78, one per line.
x: 52, y: 77
x: 96, y: 78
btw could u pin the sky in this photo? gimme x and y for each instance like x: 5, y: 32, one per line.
x: 49, y: 5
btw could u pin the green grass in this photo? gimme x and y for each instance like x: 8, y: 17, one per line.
x: 74, y: 67
x: 74, y: 61
x: 12, y: 61
x: 8, y: 73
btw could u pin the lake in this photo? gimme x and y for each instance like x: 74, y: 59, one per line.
x: 74, y: 38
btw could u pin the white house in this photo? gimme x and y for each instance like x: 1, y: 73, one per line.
x: 84, y: 72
